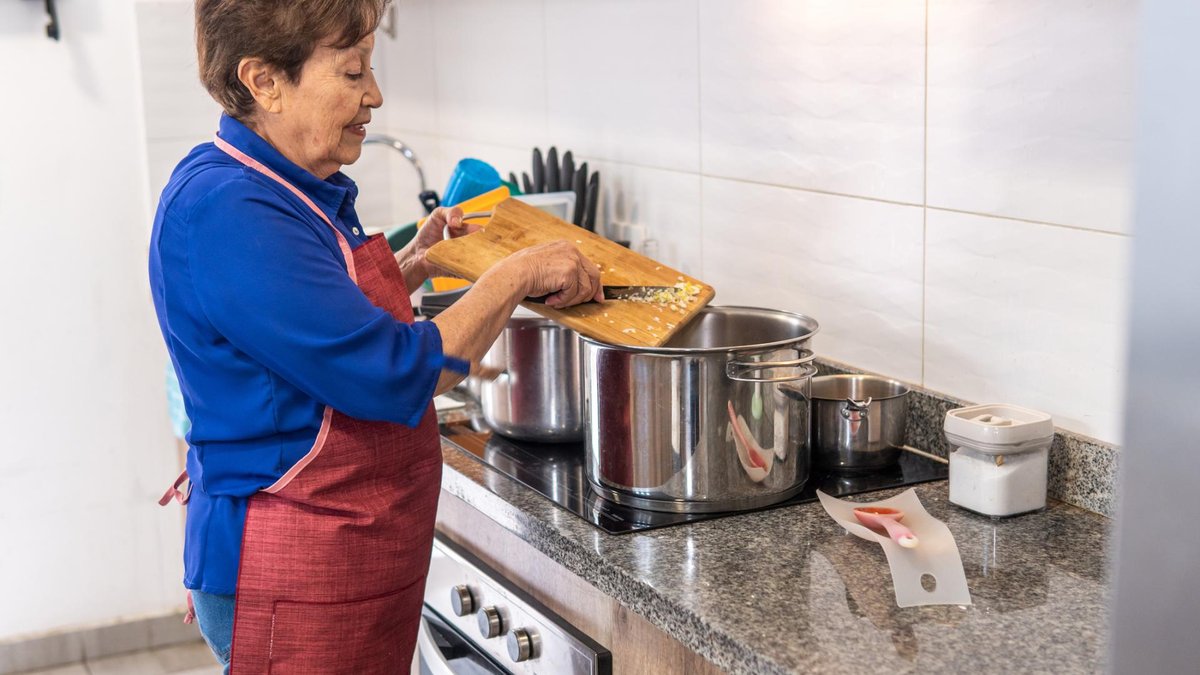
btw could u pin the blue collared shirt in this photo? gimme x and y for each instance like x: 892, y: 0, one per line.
x: 265, y: 328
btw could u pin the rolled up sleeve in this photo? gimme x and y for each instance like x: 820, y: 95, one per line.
x: 272, y: 286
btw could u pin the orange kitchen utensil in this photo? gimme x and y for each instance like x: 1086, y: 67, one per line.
x: 881, y: 517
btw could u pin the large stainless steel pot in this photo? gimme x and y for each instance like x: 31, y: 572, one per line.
x: 537, y: 394
x: 858, y: 421
x: 715, y: 421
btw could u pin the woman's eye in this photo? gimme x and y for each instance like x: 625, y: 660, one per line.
x: 354, y: 76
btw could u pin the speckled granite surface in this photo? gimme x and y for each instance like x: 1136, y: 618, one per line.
x: 787, y: 591
x: 1083, y: 470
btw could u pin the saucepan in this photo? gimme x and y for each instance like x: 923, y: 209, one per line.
x: 858, y: 421
x: 532, y: 388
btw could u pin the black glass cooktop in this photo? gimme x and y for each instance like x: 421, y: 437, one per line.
x: 556, y: 471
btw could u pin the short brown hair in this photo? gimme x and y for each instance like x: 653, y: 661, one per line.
x: 283, y: 33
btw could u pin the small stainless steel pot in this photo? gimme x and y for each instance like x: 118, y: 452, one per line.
x: 858, y: 421
x: 717, y: 420
x: 537, y: 395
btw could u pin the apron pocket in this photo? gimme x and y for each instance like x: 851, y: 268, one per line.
x: 376, y: 635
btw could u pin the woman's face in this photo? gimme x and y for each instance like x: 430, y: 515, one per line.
x: 322, y: 117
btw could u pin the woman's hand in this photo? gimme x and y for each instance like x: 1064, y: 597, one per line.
x: 471, y: 324
x: 443, y: 220
x: 559, y: 270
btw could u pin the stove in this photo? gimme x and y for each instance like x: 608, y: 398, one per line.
x: 556, y: 471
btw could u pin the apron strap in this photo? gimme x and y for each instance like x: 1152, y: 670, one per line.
x: 258, y: 166
x: 174, y: 493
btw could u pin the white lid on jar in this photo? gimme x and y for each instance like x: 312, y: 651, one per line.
x: 998, y: 428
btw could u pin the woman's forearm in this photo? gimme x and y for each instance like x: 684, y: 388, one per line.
x: 412, y: 266
x: 474, y: 321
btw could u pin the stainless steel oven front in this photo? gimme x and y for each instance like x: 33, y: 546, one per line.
x: 476, y: 622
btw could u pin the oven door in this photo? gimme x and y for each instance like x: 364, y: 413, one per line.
x: 442, y: 650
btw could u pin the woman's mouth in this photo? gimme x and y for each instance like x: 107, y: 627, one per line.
x: 357, y: 129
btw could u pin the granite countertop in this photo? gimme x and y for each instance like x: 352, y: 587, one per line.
x: 787, y: 590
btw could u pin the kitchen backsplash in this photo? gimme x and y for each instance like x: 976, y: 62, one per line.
x: 944, y: 185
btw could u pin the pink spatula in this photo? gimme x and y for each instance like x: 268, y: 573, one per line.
x: 879, y: 517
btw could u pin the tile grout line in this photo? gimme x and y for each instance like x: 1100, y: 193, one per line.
x: 1030, y: 221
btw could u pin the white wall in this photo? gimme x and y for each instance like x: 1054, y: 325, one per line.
x: 944, y: 185
x: 86, y: 449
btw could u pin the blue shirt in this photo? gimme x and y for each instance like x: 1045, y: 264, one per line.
x: 265, y: 328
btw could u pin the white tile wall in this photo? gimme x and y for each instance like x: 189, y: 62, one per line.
x: 622, y: 80
x: 852, y: 264
x: 819, y: 94
x: 1028, y: 314
x: 634, y: 194
x: 1031, y: 109
x: 1026, y: 115
x: 491, y: 71
x: 408, y: 68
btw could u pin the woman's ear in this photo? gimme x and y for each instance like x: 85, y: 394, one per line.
x: 263, y: 81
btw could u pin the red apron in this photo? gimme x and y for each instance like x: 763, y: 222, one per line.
x: 335, y: 553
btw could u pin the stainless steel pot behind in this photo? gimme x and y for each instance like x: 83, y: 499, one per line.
x: 537, y: 395
x: 717, y: 420
x: 858, y: 421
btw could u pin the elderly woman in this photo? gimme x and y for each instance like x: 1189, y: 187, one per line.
x: 314, y: 456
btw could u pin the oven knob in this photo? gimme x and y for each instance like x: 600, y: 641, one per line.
x: 490, y: 623
x: 520, y: 645
x: 462, y: 601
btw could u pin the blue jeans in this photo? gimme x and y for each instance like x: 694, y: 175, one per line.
x: 214, y: 614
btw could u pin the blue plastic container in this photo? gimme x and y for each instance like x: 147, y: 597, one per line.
x: 471, y: 178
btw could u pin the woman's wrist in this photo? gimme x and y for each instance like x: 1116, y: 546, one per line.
x: 412, y: 265
x: 511, y: 276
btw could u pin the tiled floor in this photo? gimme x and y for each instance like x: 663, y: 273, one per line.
x: 193, y: 658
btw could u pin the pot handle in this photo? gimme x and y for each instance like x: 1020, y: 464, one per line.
x: 740, y: 371
x: 854, y: 410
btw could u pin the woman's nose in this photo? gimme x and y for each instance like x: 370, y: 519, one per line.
x: 374, y: 97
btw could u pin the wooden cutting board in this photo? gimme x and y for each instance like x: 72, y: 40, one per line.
x: 515, y: 225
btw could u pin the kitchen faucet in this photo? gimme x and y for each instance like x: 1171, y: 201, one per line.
x: 429, y: 198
